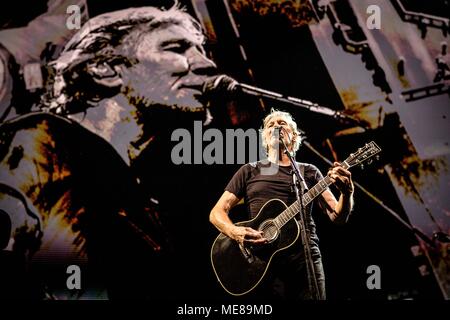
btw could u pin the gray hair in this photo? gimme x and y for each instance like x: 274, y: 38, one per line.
x: 289, y: 120
x: 96, y: 42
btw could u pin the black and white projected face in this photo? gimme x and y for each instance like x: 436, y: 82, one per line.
x: 170, y: 70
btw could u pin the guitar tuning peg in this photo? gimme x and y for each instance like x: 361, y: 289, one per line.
x: 361, y: 166
x: 377, y: 157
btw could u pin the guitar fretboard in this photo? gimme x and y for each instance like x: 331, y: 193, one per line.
x: 309, y: 196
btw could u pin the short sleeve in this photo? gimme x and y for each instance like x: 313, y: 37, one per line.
x: 317, y: 174
x: 312, y: 175
x: 238, y: 184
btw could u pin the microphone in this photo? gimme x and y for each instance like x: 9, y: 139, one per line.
x: 223, y: 85
x: 278, y: 129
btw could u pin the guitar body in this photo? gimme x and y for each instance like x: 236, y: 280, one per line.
x: 239, y: 270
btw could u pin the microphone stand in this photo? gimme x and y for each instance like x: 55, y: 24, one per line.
x: 300, y: 188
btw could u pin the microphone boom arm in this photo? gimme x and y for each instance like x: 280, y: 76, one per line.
x: 258, y: 92
x: 226, y: 84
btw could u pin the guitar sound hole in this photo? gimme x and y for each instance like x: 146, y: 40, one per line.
x: 270, y: 231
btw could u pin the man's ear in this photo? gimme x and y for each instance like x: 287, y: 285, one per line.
x: 295, y: 137
x: 106, y: 75
x: 299, y: 137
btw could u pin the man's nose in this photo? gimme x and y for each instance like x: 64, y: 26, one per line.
x: 199, y: 63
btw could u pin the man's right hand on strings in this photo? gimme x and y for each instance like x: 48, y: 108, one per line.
x: 247, y: 236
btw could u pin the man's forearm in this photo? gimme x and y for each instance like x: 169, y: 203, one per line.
x: 219, y: 218
x: 343, y: 208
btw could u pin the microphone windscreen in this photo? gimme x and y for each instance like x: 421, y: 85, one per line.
x: 219, y: 85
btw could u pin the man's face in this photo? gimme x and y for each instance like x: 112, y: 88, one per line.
x: 170, y: 70
x: 285, y: 132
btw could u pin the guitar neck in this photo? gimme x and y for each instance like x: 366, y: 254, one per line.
x: 309, y: 196
x: 361, y: 155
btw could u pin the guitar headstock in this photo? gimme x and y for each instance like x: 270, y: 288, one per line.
x: 362, y: 154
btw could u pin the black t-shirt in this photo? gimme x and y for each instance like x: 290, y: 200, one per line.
x: 256, y: 187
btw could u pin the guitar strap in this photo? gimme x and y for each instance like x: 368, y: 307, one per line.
x: 302, y: 173
x: 302, y: 170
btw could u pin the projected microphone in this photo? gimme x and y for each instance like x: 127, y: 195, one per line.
x: 219, y: 85
x: 224, y: 85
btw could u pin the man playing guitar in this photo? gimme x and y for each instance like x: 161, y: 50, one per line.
x: 287, y: 277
